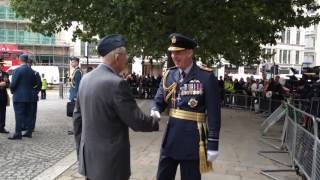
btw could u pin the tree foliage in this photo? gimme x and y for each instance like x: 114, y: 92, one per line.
x: 229, y: 29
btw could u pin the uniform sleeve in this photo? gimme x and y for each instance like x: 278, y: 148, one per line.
x: 14, y: 82
x: 77, y: 79
x: 159, y: 104
x: 128, y: 111
x: 77, y: 124
x: 213, y: 112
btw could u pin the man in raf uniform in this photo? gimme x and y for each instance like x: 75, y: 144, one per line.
x: 191, y: 94
x: 4, y: 84
x: 75, y: 79
x: 22, y: 89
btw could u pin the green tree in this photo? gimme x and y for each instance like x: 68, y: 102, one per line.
x: 229, y: 29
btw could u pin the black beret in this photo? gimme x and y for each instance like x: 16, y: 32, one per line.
x: 24, y: 57
x: 111, y: 42
x: 180, y: 42
x: 73, y: 58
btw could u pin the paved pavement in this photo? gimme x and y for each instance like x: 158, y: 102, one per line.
x: 25, y: 159
x: 238, y: 160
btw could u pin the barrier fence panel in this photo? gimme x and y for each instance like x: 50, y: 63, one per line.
x: 317, y: 153
x: 305, y: 142
x: 315, y: 106
x: 290, y: 132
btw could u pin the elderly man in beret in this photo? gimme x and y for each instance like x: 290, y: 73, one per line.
x: 192, y: 96
x: 104, y: 112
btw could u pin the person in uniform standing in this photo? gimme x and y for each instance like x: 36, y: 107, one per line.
x: 36, y: 89
x: 75, y: 79
x: 104, y: 110
x: 44, y: 86
x: 22, y: 87
x: 192, y: 96
x: 4, y: 98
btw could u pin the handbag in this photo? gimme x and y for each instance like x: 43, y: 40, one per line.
x: 70, y: 108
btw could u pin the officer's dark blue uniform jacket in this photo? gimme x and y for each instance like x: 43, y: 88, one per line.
x: 22, y: 88
x: 181, y: 139
x: 75, y: 81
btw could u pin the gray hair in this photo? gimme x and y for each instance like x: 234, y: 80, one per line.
x: 111, y: 54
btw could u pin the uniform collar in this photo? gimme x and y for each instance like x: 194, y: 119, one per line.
x: 187, y: 70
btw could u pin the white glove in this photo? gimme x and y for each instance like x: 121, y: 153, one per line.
x: 155, y: 114
x: 212, y: 155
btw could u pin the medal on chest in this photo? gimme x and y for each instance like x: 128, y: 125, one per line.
x: 193, y: 87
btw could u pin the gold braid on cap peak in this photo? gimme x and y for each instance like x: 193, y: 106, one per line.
x: 170, y: 91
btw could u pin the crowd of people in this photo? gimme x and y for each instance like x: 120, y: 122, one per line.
x: 143, y: 86
x: 253, y: 87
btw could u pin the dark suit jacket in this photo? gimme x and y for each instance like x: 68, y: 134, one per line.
x: 103, y: 112
x: 22, y: 84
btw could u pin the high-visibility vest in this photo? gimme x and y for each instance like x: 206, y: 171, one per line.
x: 44, y: 84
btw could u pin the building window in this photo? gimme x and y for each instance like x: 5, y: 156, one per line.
x: 309, y: 59
x: 289, y: 57
x: 280, y: 57
x: 288, y: 37
x: 283, y: 35
x: 298, y: 37
x: 273, y: 54
x: 310, y: 42
x: 297, y: 57
x: 284, y: 57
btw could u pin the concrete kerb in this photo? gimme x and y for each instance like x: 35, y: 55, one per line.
x: 57, y: 169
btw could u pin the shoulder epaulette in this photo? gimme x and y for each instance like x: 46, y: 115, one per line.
x: 170, y: 68
x: 206, y: 68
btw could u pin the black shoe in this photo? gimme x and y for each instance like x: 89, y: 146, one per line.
x: 4, y: 131
x: 14, y: 137
x: 27, y: 135
x: 70, y: 132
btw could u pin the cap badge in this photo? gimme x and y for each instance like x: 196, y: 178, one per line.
x: 173, y: 40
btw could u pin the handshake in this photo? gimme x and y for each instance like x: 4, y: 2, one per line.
x: 155, y: 115
x: 156, y: 118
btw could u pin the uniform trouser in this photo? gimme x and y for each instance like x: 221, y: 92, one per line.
x: 43, y: 94
x: 22, y: 111
x: 189, y: 169
x: 34, y: 107
x: 2, y: 116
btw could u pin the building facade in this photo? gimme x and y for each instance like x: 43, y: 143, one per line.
x: 53, y: 50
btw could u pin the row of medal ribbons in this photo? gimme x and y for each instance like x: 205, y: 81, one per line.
x: 194, y: 87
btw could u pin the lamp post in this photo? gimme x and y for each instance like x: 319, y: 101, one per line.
x: 86, y: 53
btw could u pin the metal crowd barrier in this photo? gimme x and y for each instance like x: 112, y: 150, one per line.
x: 300, y: 133
x: 302, y: 142
x: 258, y: 103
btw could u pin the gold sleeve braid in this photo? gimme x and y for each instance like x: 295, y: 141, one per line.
x: 170, y: 91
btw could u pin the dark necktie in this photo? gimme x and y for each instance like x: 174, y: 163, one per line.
x: 183, y: 74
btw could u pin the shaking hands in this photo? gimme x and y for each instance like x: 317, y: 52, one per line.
x: 156, y: 118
